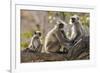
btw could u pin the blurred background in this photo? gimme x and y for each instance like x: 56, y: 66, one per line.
x: 44, y: 21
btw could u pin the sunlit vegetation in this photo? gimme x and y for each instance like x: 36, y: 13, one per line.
x: 84, y: 17
x: 24, y: 44
x: 26, y: 35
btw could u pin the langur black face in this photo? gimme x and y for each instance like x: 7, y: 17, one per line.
x: 74, y: 19
x: 38, y: 33
x: 61, y: 25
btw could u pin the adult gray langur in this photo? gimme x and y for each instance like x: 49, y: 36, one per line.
x: 77, y: 28
x: 78, y: 35
x: 55, y: 39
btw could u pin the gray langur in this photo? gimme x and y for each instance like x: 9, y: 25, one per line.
x: 80, y: 41
x: 77, y: 28
x: 35, y: 44
x: 55, y: 39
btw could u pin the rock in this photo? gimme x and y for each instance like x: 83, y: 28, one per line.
x: 30, y: 56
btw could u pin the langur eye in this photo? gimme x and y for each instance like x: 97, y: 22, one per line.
x: 73, y: 19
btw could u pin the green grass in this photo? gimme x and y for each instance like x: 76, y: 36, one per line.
x: 24, y: 44
x: 27, y: 35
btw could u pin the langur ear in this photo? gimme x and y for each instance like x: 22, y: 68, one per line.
x: 78, y: 18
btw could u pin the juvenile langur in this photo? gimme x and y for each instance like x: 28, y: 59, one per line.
x: 55, y: 39
x: 35, y: 44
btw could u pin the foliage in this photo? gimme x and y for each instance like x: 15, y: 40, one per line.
x: 24, y: 44
x: 26, y: 35
x: 84, y: 17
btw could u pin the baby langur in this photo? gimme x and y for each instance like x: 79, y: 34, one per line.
x: 35, y: 44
